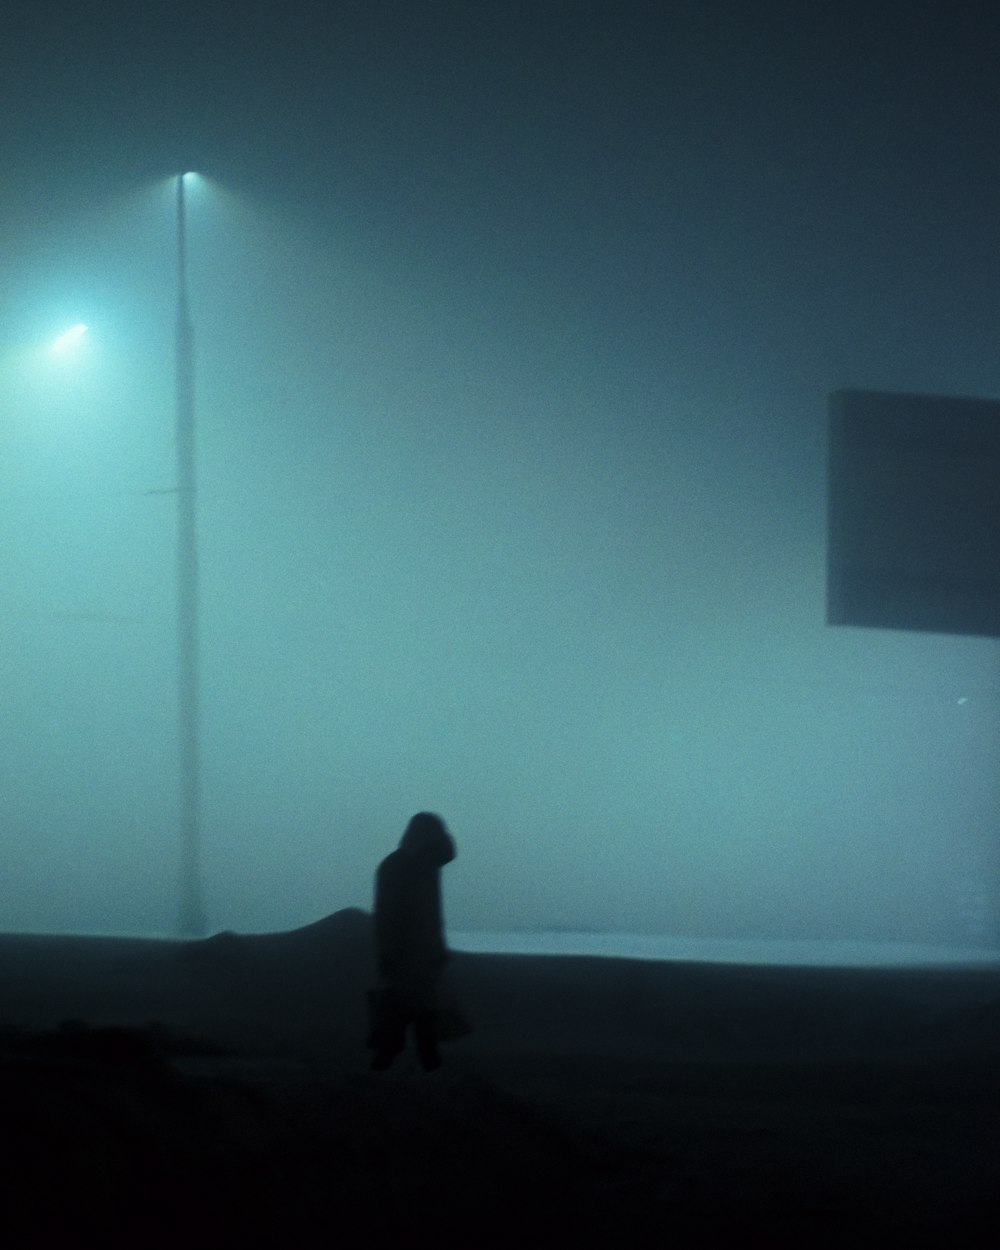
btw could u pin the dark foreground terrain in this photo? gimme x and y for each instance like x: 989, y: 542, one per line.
x: 217, y: 1094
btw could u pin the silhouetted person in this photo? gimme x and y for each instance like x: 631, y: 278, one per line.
x: 410, y: 948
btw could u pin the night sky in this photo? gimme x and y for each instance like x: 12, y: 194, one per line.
x: 515, y: 326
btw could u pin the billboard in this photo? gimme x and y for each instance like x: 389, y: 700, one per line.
x: 913, y: 523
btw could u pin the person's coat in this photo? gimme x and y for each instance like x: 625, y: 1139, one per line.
x: 409, y: 928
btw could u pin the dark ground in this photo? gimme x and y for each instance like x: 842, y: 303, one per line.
x: 217, y: 1094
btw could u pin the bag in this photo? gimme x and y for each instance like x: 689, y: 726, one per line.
x: 451, y: 1023
x: 389, y: 1016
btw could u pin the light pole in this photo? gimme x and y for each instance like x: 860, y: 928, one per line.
x: 191, y: 916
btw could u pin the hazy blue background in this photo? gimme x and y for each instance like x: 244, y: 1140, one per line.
x: 515, y: 326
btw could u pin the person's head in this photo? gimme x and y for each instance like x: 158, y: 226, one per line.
x: 427, y: 840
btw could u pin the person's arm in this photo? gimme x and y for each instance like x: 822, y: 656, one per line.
x: 388, y: 921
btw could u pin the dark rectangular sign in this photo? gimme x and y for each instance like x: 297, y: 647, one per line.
x: 913, y: 537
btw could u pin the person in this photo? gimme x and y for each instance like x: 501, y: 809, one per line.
x: 410, y: 950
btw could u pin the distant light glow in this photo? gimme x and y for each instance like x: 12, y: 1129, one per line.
x: 69, y: 339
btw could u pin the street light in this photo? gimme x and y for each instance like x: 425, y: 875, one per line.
x: 192, y: 911
x: 68, y: 339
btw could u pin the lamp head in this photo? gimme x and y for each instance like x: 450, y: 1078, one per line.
x: 68, y: 339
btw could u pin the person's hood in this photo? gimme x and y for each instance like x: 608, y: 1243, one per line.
x: 428, y: 841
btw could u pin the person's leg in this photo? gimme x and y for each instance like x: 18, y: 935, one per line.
x: 425, y: 1031
x: 387, y: 1035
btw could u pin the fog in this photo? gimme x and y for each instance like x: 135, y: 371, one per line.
x: 522, y: 526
